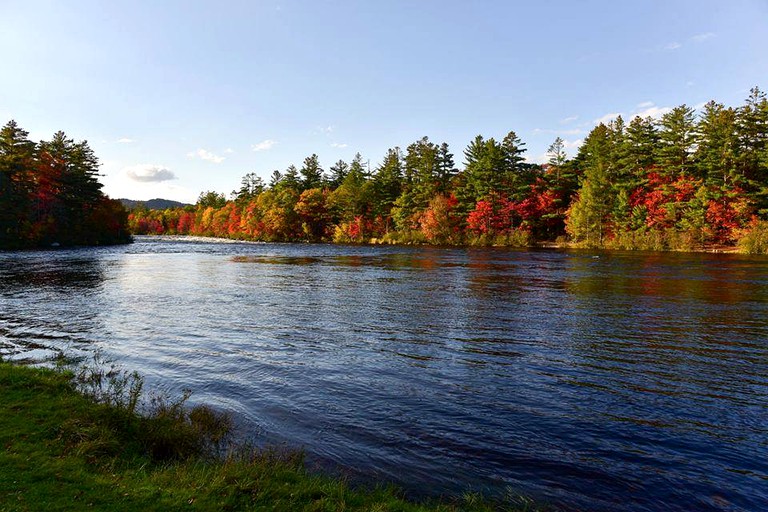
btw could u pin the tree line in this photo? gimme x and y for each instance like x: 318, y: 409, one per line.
x: 50, y: 194
x: 688, y: 180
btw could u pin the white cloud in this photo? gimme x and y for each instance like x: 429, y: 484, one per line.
x: 568, y: 119
x: 264, y: 145
x: 538, y: 159
x: 339, y: 145
x: 126, y: 140
x: 206, y: 155
x: 327, y: 130
x: 607, y: 118
x: 674, y: 45
x: 573, y: 144
x: 649, y: 109
x: 229, y: 151
x: 700, y: 38
x: 572, y: 131
x: 149, y: 173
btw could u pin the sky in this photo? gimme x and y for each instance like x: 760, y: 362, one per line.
x: 181, y: 97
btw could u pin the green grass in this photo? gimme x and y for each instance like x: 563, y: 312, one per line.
x: 60, y: 449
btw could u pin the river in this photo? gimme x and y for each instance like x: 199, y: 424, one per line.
x: 588, y: 380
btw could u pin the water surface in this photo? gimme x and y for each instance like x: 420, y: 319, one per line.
x: 600, y: 381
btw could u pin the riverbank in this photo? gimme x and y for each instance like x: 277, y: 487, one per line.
x: 64, y: 451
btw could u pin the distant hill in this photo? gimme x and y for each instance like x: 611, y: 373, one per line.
x: 153, y: 204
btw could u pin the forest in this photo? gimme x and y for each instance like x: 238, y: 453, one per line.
x: 50, y: 194
x: 686, y: 181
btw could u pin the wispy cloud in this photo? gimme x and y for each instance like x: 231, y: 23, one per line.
x: 264, y: 145
x: 149, y: 173
x: 573, y: 144
x: 206, y: 155
x: 326, y: 130
x: 651, y: 110
x: 572, y: 131
x: 700, y: 38
x: 229, y: 151
x: 696, y: 39
x: 645, y: 104
x: 607, y: 118
x: 126, y: 140
x: 339, y: 145
x: 568, y: 119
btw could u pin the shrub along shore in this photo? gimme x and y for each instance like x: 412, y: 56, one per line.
x: 75, y: 441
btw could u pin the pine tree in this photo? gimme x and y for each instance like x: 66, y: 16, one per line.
x: 388, y: 182
x: 641, y: 141
x: 339, y: 171
x: 311, y: 173
x: 17, y: 153
x: 589, y: 216
x: 752, y: 158
x: 677, y: 139
x: 718, y: 143
x: 445, y: 168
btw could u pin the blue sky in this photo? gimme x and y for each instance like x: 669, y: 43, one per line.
x: 181, y: 97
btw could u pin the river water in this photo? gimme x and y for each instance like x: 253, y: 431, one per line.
x: 596, y: 381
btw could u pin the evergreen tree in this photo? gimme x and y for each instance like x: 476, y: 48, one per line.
x: 357, y: 169
x: 718, y: 143
x: 79, y: 191
x: 339, y: 171
x: 677, y: 139
x: 275, y: 178
x: 211, y: 199
x: 641, y: 141
x: 388, y: 182
x: 445, y: 168
x: 485, y: 166
x: 311, y: 173
x: 290, y: 179
x: 589, y: 215
x: 556, y: 153
x: 517, y: 176
x: 250, y: 186
x: 16, y: 157
x: 752, y: 158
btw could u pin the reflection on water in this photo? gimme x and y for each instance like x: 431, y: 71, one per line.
x: 49, y: 304
x: 604, y: 381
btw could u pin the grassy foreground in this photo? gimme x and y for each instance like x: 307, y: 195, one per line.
x: 61, y: 450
